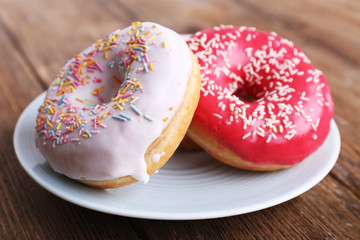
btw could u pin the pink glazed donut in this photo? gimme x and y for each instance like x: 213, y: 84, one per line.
x: 263, y: 106
x: 117, y: 111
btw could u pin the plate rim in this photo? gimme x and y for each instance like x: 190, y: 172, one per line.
x: 61, y: 193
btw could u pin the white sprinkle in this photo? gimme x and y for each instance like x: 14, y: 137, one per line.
x: 313, y: 126
x: 217, y: 115
x: 248, y: 37
x: 320, y: 102
x: 223, y: 107
x: 273, y: 135
x: 260, y: 134
x: 281, y: 129
x: 274, y: 129
x: 248, y: 51
x: 238, y: 67
x: 246, y: 135
x: 309, y: 79
x: 289, y: 136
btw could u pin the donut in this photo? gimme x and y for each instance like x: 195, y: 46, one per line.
x: 263, y: 106
x: 116, y: 112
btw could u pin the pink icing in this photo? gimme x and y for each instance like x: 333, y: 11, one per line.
x: 105, y: 129
x: 260, y: 95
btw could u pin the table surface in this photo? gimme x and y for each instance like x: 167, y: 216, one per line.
x: 36, y: 37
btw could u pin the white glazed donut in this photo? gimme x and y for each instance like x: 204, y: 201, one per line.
x: 117, y: 111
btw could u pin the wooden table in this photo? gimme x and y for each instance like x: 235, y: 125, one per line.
x: 36, y: 37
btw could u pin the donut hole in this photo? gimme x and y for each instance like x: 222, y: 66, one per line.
x: 248, y: 94
x: 110, y: 89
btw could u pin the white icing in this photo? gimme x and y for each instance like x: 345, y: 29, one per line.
x: 118, y: 150
x: 157, y: 156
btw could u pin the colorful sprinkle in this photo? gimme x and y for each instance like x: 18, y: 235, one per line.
x: 148, y: 118
x: 116, y: 80
x: 79, y: 100
x: 135, y: 109
x: 125, y: 116
x: 119, y: 118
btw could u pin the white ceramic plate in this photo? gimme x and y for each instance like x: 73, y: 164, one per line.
x: 190, y: 186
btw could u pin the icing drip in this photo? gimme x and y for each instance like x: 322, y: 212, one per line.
x: 157, y: 157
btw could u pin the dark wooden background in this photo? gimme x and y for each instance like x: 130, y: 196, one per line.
x: 36, y: 37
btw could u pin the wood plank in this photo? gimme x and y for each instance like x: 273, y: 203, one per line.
x: 51, y: 32
x: 330, y: 24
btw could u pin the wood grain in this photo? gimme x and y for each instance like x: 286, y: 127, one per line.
x: 37, y: 37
